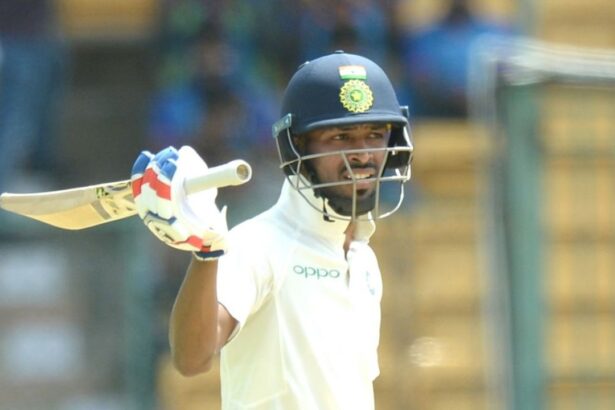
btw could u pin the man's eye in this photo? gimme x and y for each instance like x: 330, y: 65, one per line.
x: 339, y: 137
x: 376, y: 135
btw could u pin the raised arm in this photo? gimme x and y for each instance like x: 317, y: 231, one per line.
x: 199, y: 325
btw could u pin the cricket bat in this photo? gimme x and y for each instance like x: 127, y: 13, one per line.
x: 84, y: 207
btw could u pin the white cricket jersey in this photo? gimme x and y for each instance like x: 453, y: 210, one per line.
x: 309, y: 316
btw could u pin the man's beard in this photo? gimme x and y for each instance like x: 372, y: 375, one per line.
x: 341, y: 204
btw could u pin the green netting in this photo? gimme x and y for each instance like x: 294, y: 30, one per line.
x: 551, y: 114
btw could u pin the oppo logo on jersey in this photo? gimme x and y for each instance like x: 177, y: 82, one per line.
x: 318, y: 273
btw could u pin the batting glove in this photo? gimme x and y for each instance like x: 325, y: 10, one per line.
x: 187, y: 222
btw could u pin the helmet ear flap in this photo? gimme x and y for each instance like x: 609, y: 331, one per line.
x: 287, y: 151
x: 400, y: 137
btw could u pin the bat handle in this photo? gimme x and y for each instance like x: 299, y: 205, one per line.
x: 235, y: 172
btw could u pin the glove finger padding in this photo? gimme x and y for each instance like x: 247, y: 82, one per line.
x: 187, y: 222
x: 151, y: 180
x: 198, y: 210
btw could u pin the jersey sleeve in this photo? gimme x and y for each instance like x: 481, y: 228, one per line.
x: 244, y: 276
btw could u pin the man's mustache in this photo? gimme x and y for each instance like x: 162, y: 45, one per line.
x: 356, y: 166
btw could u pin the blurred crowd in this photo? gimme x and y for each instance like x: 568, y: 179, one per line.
x: 32, y: 73
x: 222, y: 66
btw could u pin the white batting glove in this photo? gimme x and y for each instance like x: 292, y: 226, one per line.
x: 187, y: 222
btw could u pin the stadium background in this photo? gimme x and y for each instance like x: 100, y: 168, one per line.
x: 83, y: 315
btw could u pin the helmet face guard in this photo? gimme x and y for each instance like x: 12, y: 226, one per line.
x: 343, y: 90
x: 389, y: 179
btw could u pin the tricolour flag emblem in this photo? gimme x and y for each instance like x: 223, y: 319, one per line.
x: 352, y: 72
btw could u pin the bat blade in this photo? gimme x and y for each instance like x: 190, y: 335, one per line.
x: 76, y: 208
x: 84, y: 207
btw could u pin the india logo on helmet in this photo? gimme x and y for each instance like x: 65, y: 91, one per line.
x: 356, y: 96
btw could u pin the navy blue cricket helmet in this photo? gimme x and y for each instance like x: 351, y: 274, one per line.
x: 336, y: 90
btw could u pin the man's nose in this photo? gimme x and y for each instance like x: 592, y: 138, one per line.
x: 360, y: 157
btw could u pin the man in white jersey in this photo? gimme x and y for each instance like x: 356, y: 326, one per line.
x: 291, y: 297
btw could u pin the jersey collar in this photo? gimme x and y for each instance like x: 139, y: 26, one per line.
x: 299, y: 212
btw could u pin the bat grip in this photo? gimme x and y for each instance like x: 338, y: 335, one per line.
x: 235, y: 172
